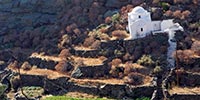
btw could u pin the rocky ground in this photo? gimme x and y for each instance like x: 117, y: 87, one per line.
x: 60, y: 47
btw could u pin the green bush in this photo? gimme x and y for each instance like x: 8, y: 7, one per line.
x: 157, y: 70
x: 146, y: 60
x: 143, y: 98
x: 2, y: 89
x: 115, y: 18
x: 33, y: 91
x: 164, y: 5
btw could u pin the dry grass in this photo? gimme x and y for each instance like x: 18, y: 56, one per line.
x: 88, y: 61
x: 44, y: 72
x: 47, y: 58
x: 80, y: 95
x: 83, y: 48
x: 98, y: 81
x: 185, y: 90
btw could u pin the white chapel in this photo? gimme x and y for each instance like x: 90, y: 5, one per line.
x: 141, y: 25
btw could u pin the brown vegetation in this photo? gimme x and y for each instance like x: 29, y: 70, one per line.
x: 95, y: 45
x: 63, y: 66
x: 120, y: 34
x: 134, y: 79
x: 89, y: 41
x: 196, y: 47
x: 26, y: 66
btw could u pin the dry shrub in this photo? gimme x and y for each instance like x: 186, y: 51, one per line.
x: 77, y: 31
x: 185, y: 56
x: 196, y: 47
x: 134, y: 79
x: 127, y: 57
x: 63, y: 66
x: 181, y: 1
x: 103, y: 30
x: 65, y: 53
x: 65, y: 41
x: 108, y: 20
x: 13, y: 65
x: 195, y: 2
x: 120, y: 34
x: 26, y: 66
x: 177, y: 14
x: 96, y: 44
x: 129, y: 68
x: 104, y: 37
x: 185, y: 14
x: 119, y: 27
x: 116, y: 62
x: 89, y: 41
x: 169, y: 13
x: 117, y: 71
x: 155, y: 1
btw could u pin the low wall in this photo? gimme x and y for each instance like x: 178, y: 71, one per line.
x: 91, y: 71
x: 185, y: 97
x: 62, y: 85
x: 42, y: 63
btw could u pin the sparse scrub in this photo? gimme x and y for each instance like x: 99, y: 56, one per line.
x: 146, y: 60
x: 99, y: 34
x: 115, y: 18
x: 157, y: 70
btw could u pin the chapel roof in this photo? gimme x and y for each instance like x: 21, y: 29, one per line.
x: 139, y: 9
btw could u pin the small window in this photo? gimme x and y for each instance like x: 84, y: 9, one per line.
x: 141, y: 29
x: 139, y: 16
